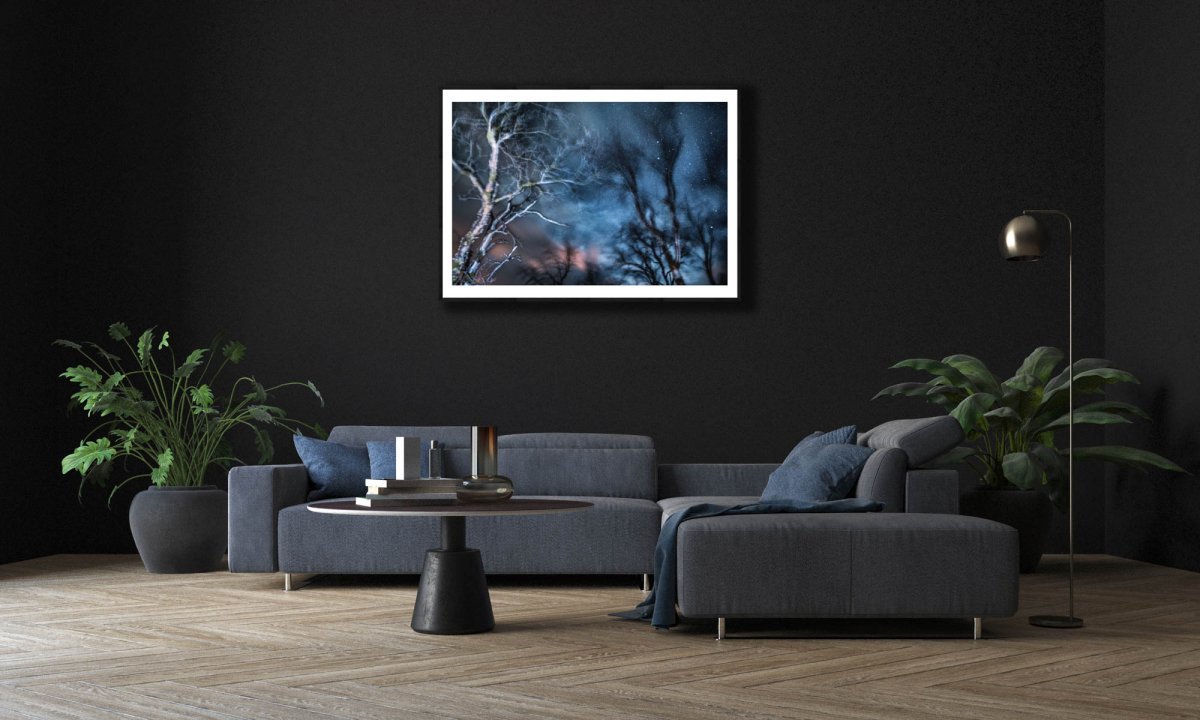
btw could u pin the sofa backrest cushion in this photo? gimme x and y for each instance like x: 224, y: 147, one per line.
x: 581, y: 441
x: 588, y: 464
x: 921, y: 439
x: 713, y: 479
x: 449, y: 436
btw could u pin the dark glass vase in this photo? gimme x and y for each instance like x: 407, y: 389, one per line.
x: 484, y: 484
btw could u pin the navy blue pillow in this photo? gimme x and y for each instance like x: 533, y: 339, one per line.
x: 383, y: 459
x: 818, y: 469
x: 336, y: 470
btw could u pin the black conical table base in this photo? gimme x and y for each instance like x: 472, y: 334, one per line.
x: 452, y: 598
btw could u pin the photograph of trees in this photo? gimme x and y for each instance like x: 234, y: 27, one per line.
x: 547, y: 194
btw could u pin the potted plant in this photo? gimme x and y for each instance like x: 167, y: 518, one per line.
x: 172, y: 420
x: 1010, y: 428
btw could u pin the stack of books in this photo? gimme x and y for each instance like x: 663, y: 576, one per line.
x: 385, y: 492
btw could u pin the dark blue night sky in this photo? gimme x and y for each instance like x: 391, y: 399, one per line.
x: 617, y: 221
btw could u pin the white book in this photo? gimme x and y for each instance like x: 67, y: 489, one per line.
x: 418, y: 485
x: 408, y: 458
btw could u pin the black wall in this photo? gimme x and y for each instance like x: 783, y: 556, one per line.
x: 1153, y: 169
x: 273, y: 171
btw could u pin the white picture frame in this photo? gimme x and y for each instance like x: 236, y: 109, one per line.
x: 604, y: 224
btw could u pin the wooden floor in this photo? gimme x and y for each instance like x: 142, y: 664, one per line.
x: 98, y: 637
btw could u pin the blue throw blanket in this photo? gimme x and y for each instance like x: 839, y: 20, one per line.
x: 659, y: 607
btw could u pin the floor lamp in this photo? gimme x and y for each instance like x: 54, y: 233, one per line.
x: 1025, y: 238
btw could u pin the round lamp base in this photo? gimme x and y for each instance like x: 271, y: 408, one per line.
x: 1055, y: 621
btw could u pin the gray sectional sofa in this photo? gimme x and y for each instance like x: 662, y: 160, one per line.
x: 918, y: 558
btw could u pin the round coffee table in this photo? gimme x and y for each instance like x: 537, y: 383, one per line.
x: 452, y: 598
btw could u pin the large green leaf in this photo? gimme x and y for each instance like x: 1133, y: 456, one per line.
x: 1039, y: 364
x: 119, y: 331
x: 189, y: 365
x: 159, y: 474
x: 1080, y: 366
x: 88, y: 454
x: 128, y: 437
x: 1048, y: 458
x: 1003, y: 413
x: 260, y: 413
x: 1128, y: 456
x: 202, y: 398
x: 316, y: 392
x: 944, y: 394
x: 938, y: 368
x: 975, y: 371
x: 1114, y: 407
x: 1082, y: 417
x: 144, y: 343
x: 1021, y: 382
x: 1088, y: 382
x: 94, y: 392
x: 86, y: 377
x: 234, y: 351
x: 971, y: 409
x: 266, y: 449
x: 1021, y: 470
x: 908, y: 389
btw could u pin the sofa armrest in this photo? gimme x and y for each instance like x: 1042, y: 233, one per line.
x: 256, y: 495
x: 931, y: 491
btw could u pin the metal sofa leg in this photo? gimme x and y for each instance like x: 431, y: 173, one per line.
x: 978, y: 629
x: 295, y: 581
x: 720, y: 628
x: 645, y: 582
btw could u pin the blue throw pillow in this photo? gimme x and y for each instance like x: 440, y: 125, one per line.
x: 383, y: 459
x: 336, y: 470
x: 818, y: 469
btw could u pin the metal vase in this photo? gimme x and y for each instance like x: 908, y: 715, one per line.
x: 484, y: 484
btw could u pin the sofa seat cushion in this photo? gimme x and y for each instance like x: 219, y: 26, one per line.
x: 615, y: 536
x: 847, y: 565
x: 670, y: 506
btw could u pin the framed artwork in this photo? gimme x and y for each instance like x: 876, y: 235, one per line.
x: 620, y: 194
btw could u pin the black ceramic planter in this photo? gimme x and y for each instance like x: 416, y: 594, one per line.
x: 1029, y: 511
x: 180, y: 529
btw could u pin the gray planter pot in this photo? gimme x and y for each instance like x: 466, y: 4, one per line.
x: 1029, y: 511
x: 180, y: 529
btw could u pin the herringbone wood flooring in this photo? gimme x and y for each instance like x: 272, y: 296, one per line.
x: 98, y: 637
